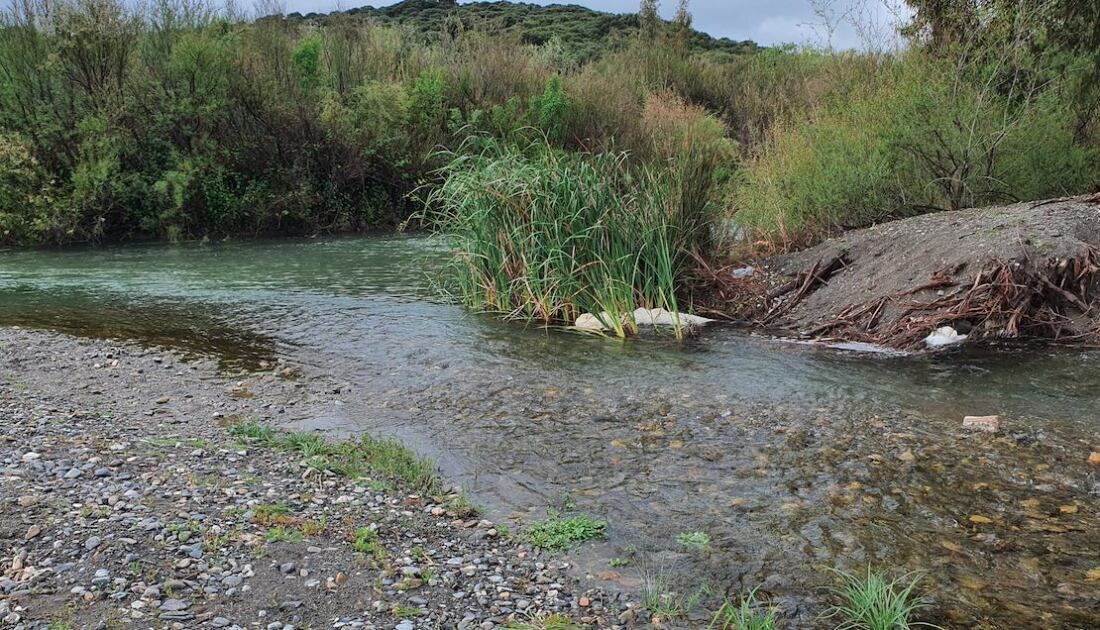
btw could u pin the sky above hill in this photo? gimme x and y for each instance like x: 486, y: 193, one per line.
x: 766, y: 22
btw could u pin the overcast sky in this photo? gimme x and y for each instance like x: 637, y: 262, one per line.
x: 766, y: 22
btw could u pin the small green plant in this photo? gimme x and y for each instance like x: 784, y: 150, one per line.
x: 308, y: 444
x: 693, y: 540
x: 366, y: 541
x: 271, y: 513
x: 618, y: 562
x: 558, y: 533
x: 406, y: 612
x: 874, y: 602
x: 553, y: 621
x: 282, y: 534
x: 253, y: 431
x: 748, y: 614
x: 462, y: 507
x: 661, y: 597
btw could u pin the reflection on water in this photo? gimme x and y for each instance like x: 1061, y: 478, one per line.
x: 790, y: 456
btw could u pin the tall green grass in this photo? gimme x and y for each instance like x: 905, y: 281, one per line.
x: 545, y: 236
x: 875, y: 602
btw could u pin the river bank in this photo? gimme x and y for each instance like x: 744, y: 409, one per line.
x: 129, y: 501
x: 1025, y: 272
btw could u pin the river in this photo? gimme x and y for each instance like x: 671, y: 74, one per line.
x: 791, y: 457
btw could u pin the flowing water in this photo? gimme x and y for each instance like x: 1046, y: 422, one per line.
x: 792, y: 458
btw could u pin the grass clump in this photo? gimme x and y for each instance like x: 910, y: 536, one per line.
x: 283, y: 534
x: 544, y: 236
x: 874, y: 602
x: 553, y: 621
x: 662, y: 598
x: 352, y: 458
x: 560, y: 533
x: 748, y: 614
x: 693, y: 540
x: 254, y: 432
x: 366, y: 541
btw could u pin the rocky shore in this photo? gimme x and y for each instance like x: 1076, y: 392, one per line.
x: 128, y: 500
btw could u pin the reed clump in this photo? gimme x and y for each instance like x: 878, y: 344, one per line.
x: 545, y: 236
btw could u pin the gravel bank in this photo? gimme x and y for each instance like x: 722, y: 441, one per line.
x: 126, y: 502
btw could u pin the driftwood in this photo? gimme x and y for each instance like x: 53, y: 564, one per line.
x: 805, y: 282
x: 1004, y: 300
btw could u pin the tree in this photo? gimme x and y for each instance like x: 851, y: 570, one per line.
x: 649, y: 18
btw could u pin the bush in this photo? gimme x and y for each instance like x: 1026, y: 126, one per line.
x: 912, y: 136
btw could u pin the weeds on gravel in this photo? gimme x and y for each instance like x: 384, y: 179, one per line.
x: 406, y: 612
x: 253, y: 431
x: 271, y: 514
x: 283, y: 534
x: 693, y: 540
x: 559, y: 533
x: 661, y: 598
x: 366, y: 541
x: 552, y: 621
x: 873, y: 602
x: 748, y: 614
x: 352, y: 458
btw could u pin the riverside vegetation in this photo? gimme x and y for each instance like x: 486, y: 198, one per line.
x: 571, y: 177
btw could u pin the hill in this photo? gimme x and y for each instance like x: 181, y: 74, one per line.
x: 584, y: 32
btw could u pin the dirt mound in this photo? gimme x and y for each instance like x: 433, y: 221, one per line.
x: 1030, y: 270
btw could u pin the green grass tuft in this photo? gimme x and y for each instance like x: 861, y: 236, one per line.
x: 693, y: 540
x: 353, y: 458
x: 748, y: 614
x: 874, y: 602
x: 553, y: 621
x: 558, y: 533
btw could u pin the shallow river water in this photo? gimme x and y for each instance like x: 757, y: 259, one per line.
x: 792, y: 458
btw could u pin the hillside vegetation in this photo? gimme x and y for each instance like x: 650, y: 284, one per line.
x: 582, y: 33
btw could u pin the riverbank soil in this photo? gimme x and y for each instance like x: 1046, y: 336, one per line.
x: 1026, y: 271
x: 125, y: 501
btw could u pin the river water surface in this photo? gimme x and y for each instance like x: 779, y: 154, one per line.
x: 792, y: 458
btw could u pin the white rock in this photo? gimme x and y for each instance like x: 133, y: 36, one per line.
x: 661, y: 317
x: 944, y: 336
x: 642, y: 317
x: 989, y: 424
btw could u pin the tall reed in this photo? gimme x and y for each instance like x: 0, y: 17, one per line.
x: 544, y: 236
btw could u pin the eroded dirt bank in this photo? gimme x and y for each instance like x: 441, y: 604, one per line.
x: 126, y: 502
x: 1026, y: 271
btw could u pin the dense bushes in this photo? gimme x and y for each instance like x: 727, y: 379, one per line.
x: 175, y: 122
x: 914, y: 134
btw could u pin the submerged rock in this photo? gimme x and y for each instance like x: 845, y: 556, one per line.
x: 988, y: 424
x: 944, y: 336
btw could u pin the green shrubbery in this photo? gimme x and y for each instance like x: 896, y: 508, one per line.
x: 175, y: 122
x: 913, y: 135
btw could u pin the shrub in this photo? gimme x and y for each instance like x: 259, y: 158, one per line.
x: 912, y: 136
